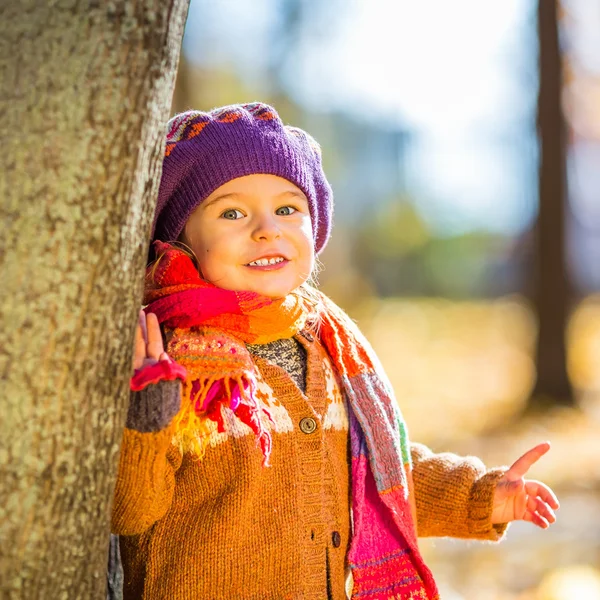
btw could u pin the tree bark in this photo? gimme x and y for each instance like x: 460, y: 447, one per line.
x: 85, y: 93
x: 552, y: 281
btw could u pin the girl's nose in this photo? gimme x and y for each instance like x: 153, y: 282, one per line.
x: 265, y: 228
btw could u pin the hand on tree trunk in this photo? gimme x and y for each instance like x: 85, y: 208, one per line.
x: 149, y: 348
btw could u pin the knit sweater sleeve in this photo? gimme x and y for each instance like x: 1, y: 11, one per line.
x: 454, y: 495
x: 148, y: 461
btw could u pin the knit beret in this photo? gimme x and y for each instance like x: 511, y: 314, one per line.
x: 207, y: 149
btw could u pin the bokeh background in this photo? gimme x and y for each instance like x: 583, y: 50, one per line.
x: 486, y: 317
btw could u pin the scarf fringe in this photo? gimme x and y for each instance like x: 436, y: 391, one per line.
x: 203, y: 400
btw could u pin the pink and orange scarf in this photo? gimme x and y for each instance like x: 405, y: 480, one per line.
x: 208, y: 331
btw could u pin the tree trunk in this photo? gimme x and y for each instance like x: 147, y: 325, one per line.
x: 84, y: 96
x: 552, y: 281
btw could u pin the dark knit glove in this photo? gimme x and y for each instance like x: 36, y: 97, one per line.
x: 153, y: 408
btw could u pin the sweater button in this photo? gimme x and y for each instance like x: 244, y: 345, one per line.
x: 308, y: 425
x: 336, y: 539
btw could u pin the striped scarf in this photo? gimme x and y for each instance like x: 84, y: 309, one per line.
x: 209, y: 328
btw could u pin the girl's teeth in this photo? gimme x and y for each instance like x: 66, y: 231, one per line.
x: 266, y: 261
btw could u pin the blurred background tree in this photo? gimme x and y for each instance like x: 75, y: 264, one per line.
x: 553, y: 290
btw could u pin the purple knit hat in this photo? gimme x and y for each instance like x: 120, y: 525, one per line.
x: 206, y: 150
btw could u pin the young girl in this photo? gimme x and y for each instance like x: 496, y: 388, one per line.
x: 265, y: 456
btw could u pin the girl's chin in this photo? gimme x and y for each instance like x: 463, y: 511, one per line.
x: 273, y: 294
x: 270, y: 289
x: 267, y: 292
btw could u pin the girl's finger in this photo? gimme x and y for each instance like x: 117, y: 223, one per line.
x: 139, y: 349
x: 545, y: 511
x: 520, y: 467
x: 537, y: 488
x: 536, y: 519
x: 142, y: 322
x: 155, y: 347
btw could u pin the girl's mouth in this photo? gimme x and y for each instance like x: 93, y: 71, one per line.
x: 268, y: 264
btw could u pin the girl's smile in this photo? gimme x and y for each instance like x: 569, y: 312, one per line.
x: 268, y: 263
x: 253, y: 233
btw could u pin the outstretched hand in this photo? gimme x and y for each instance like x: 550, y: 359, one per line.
x: 149, y: 347
x: 520, y: 499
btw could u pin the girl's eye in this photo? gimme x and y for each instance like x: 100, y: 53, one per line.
x: 232, y: 214
x: 285, y: 210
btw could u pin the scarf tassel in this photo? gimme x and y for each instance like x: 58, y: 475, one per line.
x: 205, y: 399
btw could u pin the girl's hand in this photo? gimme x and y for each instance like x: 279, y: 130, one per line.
x: 516, y: 498
x: 149, y: 347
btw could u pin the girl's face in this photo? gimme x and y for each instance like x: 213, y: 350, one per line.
x: 253, y: 234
